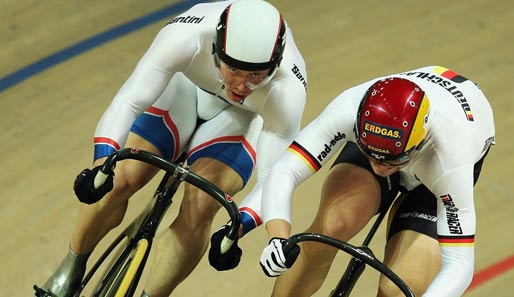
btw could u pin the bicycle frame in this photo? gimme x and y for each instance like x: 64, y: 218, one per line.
x: 142, y: 230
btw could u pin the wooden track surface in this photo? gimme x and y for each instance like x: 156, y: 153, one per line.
x: 48, y: 119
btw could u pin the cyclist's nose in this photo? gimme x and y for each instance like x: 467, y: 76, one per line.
x: 240, y: 83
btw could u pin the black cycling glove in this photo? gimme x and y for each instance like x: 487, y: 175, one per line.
x: 228, y: 260
x: 84, y: 185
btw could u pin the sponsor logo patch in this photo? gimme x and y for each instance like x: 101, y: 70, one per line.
x: 448, y: 82
x: 383, y: 131
x: 452, y: 218
x: 299, y: 75
x: 328, y: 146
x: 378, y: 150
x: 190, y: 19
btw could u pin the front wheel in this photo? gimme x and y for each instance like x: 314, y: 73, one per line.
x: 122, y: 278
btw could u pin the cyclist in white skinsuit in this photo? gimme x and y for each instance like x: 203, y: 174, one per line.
x: 424, y: 132
x: 223, y: 82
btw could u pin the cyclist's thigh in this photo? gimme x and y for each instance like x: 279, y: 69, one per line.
x: 389, y: 186
x: 412, y: 249
x: 230, y: 138
x: 170, y: 122
x: 135, y: 173
x: 415, y: 258
x: 222, y: 151
x: 351, y: 195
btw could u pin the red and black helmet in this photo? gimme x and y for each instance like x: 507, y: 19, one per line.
x: 391, y: 120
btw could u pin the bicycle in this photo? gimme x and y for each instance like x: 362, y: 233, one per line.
x: 361, y: 256
x: 123, y: 274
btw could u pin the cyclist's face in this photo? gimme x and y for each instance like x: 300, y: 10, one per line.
x: 383, y: 168
x: 239, y: 83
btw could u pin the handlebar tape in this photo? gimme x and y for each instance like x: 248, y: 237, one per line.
x: 100, y: 179
x: 226, y: 244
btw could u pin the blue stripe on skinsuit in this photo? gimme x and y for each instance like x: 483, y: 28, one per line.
x: 102, y: 150
x: 230, y: 153
x: 248, y: 222
x: 153, y: 129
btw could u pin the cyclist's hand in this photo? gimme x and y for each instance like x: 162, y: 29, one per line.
x: 84, y: 185
x: 273, y: 260
x: 228, y: 260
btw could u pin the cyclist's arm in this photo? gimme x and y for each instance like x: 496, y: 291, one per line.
x: 314, y: 146
x: 281, y: 114
x: 278, y: 228
x: 144, y: 86
x: 456, y: 232
x: 99, y: 161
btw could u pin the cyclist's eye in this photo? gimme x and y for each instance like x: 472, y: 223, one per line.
x: 258, y: 76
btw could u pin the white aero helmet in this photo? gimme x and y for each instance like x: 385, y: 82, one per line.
x: 250, y: 36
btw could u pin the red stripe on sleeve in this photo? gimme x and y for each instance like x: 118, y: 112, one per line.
x: 107, y: 141
x: 306, y: 156
x: 456, y: 240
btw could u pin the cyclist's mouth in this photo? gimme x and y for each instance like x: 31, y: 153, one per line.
x: 235, y: 96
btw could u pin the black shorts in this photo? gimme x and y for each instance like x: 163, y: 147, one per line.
x: 417, y: 208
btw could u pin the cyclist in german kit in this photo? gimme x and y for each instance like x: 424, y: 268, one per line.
x: 423, y: 132
x: 224, y: 83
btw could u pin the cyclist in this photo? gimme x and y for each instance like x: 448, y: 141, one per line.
x: 223, y: 82
x: 425, y: 132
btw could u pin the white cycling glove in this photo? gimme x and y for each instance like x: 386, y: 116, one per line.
x: 273, y: 260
